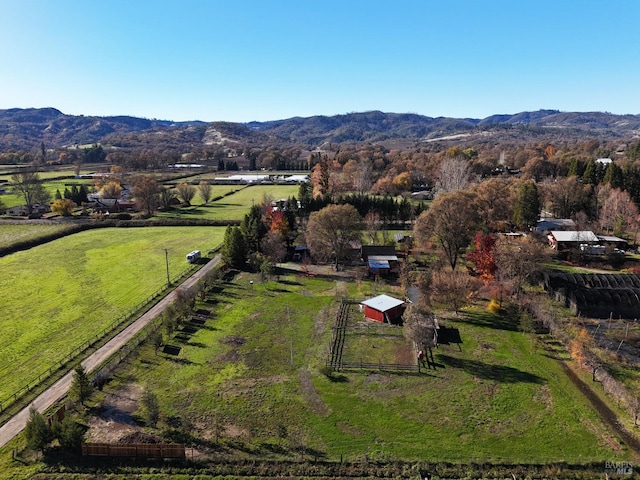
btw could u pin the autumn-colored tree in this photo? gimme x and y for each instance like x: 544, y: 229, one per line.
x: 278, y: 223
x: 63, y: 206
x: 483, y: 256
x: 402, y: 182
x: 146, y: 192
x: 331, y: 231
x: 451, y: 220
x: 496, y: 197
x: 111, y: 190
x: 320, y: 178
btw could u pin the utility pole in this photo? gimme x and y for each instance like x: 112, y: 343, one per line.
x: 166, y: 260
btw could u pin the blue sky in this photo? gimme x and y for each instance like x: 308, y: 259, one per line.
x: 244, y: 60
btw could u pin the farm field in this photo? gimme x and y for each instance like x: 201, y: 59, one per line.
x: 58, y: 295
x: 232, y: 207
x: 251, y: 378
x: 11, y: 233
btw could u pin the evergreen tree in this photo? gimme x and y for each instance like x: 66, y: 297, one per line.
x: 574, y: 168
x: 81, y: 388
x: 220, y: 165
x: 590, y: 174
x: 37, y: 432
x: 527, y: 207
x: 613, y: 176
x: 57, y: 195
x: 69, y: 433
x: 253, y: 229
x: 234, y: 250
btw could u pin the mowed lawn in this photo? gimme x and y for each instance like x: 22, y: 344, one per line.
x: 234, y: 206
x: 58, y: 295
x: 252, y: 376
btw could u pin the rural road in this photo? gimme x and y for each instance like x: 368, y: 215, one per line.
x: 59, y: 389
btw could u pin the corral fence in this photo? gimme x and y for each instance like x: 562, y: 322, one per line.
x: 336, y: 347
x: 383, y: 367
x: 134, y: 450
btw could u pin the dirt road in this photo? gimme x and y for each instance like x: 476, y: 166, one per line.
x: 59, y: 389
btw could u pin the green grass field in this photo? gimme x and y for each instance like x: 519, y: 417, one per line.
x: 59, y: 295
x: 13, y: 233
x: 253, y: 370
x: 232, y: 207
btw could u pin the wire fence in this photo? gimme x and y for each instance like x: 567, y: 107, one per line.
x: 54, y: 371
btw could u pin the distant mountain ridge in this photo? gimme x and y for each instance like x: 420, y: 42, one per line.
x: 26, y: 129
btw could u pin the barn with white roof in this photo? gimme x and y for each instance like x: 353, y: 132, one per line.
x: 384, y: 308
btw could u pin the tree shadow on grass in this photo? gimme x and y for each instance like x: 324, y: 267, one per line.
x: 497, y: 373
x: 489, y: 320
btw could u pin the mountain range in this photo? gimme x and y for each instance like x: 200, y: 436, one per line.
x: 27, y: 129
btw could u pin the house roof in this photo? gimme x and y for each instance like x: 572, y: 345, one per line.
x: 382, y: 258
x: 611, y: 239
x: 369, y: 251
x: 547, y: 224
x: 382, y: 303
x: 574, y: 236
x: 378, y: 263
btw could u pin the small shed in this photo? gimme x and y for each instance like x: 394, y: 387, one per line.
x: 384, y: 308
x: 380, y: 259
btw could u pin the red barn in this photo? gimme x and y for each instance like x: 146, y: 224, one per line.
x: 384, y: 308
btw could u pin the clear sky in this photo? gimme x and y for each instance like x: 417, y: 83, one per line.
x: 243, y: 60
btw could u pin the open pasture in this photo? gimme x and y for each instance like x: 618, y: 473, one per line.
x: 234, y: 206
x: 250, y: 376
x: 58, y: 295
x: 11, y: 233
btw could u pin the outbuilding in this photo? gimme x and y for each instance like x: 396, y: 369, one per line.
x: 384, y: 308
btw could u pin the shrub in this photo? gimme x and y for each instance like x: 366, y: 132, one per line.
x: 494, y: 306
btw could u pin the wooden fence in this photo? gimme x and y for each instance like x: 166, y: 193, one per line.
x: 137, y: 450
x: 383, y: 367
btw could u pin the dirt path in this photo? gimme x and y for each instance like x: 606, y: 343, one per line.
x: 59, y: 389
x: 605, y: 412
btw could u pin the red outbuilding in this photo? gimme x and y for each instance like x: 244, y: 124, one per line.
x: 384, y: 308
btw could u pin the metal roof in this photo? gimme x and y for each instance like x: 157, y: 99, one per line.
x: 574, y: 236
x: 382, y: 258
x: 378, y: 264
x: 382, y: 303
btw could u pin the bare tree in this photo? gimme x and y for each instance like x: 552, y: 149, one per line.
x: 419, y: 326
x: 452, y: 289
x: 519, y: 259
x: 205, y: 191
x: 166, y: 197
x: 618, y: 212
x: 454, y: 174
x: 186, y: 192
x: 28, y: 185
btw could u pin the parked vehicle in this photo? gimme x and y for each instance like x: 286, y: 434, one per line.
x: 194, y: 256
